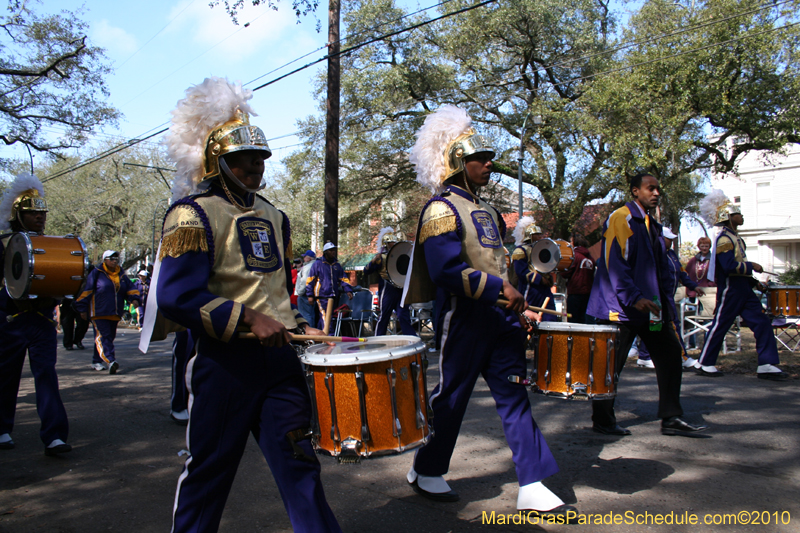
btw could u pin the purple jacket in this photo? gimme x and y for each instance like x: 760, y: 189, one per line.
x: 324, y: 279
x: 101, y: 299
x: 632, y: 265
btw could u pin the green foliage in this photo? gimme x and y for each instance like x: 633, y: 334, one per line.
x: 791, y: 276
x: 108, y: 204
x: 49, y: 78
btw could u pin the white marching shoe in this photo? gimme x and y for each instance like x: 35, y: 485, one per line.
x: 432, y: 487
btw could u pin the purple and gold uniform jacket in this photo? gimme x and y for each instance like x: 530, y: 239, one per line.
x: 677, y: 274
x: 632, y: 265
x: 731, y: 257
x: 104, y: 297
x: 217, y: 260
x: 458, y: 252
x: 325, y: 278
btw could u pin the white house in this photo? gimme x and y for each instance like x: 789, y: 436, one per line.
x: 766, y: 188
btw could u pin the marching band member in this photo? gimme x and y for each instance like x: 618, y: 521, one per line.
x: 28, y: 326
x: 732, y: 273
x: 534, y: 285
x: 389, y: 295
x: 325, y: 281
x: 459, y: 260
x: 225, y: 266
x: 631, y: 274
x: 103, y: 302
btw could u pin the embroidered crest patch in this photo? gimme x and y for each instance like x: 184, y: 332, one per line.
x: 259, y: 248
x: 488, y: 235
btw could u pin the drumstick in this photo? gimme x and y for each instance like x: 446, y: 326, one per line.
x: 502, y: 302
x: 328, y: 316
x: 312, y: 338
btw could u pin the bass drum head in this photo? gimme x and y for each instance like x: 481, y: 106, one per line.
x: 18, y: 267
x: 545, y: 255
x: 398, y: 261
x: 375, y: 349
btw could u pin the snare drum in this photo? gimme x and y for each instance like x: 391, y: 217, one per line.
x: 548, y: 255
x: 783, y: 300
x: 44, y: 265
x: 574, y: 361
x: 368, y: 398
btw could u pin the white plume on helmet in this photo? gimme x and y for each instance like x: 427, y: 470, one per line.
x: 519, y: 231
x: 428, y: 153
x: 204, y: 107
x: 23, y: 182
x: 381, y: 235
x: 711, y: 204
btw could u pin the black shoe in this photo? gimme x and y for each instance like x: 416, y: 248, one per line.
x: 451, y: 496
x: 7, y: 445
x: 57, y: 450
x: 563, y: 514
x: 68, y: 347
x: 702, y: 372
x: 79, y: 346
x: 113, y: 367
x: 674, y: 425
x: 616, y: 429
x: 773, y: 376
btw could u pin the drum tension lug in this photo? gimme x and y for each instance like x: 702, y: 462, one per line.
x: 38, y: 251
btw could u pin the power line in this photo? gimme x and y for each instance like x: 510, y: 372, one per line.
x: 135, y: 141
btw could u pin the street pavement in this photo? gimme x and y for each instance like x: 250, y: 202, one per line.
x: 121, y: 475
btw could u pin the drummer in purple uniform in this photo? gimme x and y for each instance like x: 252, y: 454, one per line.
x: 27, y: 326
x: 534, y: 285
x: 389, y: 295
x: 733, y: 274
x: 225, y: 268
x: 459, y: 261
x: 326, y: 280
x: 632, y: 273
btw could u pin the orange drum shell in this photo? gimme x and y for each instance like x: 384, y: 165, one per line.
x: 784, y: 300
x: 580, y: 364
x: 58, y: 266
x: 567, y: 255
x: 379, y: 407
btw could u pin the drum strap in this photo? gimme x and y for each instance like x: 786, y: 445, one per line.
x: 294, y: 437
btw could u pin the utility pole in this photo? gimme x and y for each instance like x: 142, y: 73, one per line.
x: 331, y: 225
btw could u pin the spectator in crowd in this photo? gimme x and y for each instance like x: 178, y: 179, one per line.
x: 304, y: 305
x: 143, y: 286
x: 73, y: 325
x: 580, y: 277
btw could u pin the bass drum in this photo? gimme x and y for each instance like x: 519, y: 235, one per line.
x: 548, y: 255
x: 397, y: 262
x: 45, y: 266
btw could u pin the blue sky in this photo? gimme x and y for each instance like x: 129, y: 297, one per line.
x: 160, y: 48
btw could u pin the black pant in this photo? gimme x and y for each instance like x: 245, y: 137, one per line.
x: 73, y: 325
x: 665, y: 351
x: 576, y: 306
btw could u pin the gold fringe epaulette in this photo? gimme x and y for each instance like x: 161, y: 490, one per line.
x: 724, y: 245
x: 519, y: 255
x: 183, y: 240
x: 436, y: 227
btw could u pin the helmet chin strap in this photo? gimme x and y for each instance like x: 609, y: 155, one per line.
x: 227, y: 171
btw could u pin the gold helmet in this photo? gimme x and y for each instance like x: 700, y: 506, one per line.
x: 724, y: 213
x: 443, y: 141
x: 532, y: 230
x: 24, y: 194
x: 469, y: 143
x: 233, y: 136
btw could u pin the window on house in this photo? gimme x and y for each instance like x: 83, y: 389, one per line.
x: 763, y: 193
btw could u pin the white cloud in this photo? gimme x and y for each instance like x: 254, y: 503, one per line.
x: 117, y: 41
x: 212, y: 28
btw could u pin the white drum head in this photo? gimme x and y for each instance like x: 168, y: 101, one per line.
x: 545, y: 255
x: 398, y: 261
x: 375, y: 349
x: 566, y: 327
x: 18, y: 267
